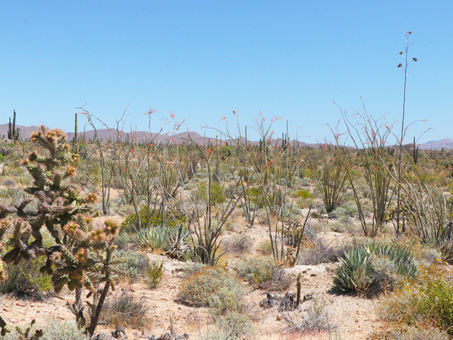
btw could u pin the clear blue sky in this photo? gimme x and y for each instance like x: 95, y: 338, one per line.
x: 202, y: 59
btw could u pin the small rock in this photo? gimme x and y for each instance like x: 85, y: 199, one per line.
x: 304, y: 269
x: 307, y: 297
x: 103, y: 336
x: 119, y: 333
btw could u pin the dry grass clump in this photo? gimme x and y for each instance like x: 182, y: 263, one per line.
x: 125, y: 310
x: 315, y: 320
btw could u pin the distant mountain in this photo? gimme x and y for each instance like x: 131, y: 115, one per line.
x: 142, y: 136
x: 25, y: 131
x: 446, y: 144
x: 186, y: 137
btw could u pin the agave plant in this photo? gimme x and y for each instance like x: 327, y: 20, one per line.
x: 399, y: 255
x: 355, y: 272
x: 152, y: 237
x: 177, y: 245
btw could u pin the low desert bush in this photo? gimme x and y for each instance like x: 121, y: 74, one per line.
x: 125, y: 310
x: 193, y: 268
x: 124, y: 241
x: 234, y: 326
x: 25, y: 279
x: 423, y: 303
x: 173, y: 219
x: 133, y: 265
x: 238, y: 244
x: 217, y: 194
x: 321, y: 253
x: 256, y: 270
x: 315, y: 319
x: 265, y: 247
x: 154, y: 273
x: 411, y: 333
x: 55, y: 330
x: 212, y: 287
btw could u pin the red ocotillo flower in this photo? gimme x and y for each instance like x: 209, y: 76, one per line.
x: 269, y: 164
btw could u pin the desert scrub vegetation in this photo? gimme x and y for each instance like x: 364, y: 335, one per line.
x: 425, y: 302
x: 314, y: 320
x: 81, y: 256
x: 212, y: 287
x: 220, y: 290
x: 257, y: 269
x: 232, y: 326
x: 54, y: 330
x: 132, y: 265
x: 154, y: 273
x: 125, y: 310
x: 374, y: 268
x: 153, y: 218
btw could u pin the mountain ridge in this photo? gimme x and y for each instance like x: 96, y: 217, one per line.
x: 183, y: 137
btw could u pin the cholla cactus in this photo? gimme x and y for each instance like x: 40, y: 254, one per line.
x: 81, y: 257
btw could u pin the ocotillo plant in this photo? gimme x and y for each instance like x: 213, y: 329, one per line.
x: 82, y: 254
x: 403, y: 128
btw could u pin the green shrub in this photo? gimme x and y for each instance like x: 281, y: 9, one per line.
x: 55, y: 330
x: 265, y: 247
x: 256, y: 270
x: 212, y: 287
x: 235, y: 326
x: 26, y: 279
x: 133, y: 265
x: 217, y: 193
x: 256, y: 197
x: 154, y: 273
x: 171, y: 219
x: 400, y: 256
x: 12, y: 274
x: 304, y: 194
x: 423, y: 303
x: 193, y: 268
x: 125, y: 310
x: 411, y: 333
x: 124, y: 241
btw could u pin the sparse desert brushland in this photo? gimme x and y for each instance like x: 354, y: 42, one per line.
x: 164, y: 238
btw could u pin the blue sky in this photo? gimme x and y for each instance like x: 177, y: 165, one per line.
x: 204, y: 59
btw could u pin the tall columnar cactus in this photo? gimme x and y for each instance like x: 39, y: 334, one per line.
x: 13, y: 133
x: 82, y: 254
x: 76, y: 128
